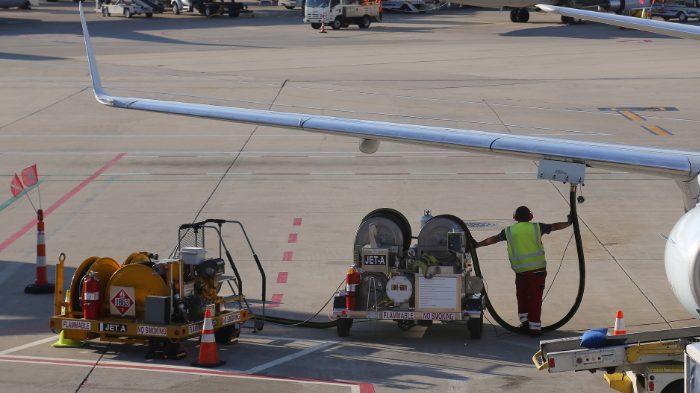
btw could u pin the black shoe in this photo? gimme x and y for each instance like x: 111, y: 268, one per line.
x: 524, y: 327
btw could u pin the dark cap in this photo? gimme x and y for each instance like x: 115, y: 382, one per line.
x: 522, y: 214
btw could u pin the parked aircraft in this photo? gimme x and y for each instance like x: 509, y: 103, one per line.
x: 682, y: 257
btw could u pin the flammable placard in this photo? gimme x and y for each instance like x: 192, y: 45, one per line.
x: 122, y: 301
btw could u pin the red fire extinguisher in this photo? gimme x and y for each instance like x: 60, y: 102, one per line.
x: 91, y: 297
x: 352, y: 279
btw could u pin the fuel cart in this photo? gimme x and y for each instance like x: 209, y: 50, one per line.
x: 412, y: 284
x: 157, y: 302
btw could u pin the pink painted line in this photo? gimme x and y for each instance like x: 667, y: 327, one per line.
x: 61, y: 201
x: 364, y: 387
x: 292, y: 238
x: 282, y: 277
x: 287, y: 256
x: 276, y: 300
x: 297, y: 222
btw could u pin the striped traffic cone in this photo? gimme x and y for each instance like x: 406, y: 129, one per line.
x: 619, y: 324
x: 41, y: 284
x: 323, y: 24
x: 208, y: 355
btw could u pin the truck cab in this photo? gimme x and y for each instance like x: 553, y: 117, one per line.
x: 342, y: 13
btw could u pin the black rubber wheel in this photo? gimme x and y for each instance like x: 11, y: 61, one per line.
x: 315, y: 26
x: 523, y: 15
x: 176, y: 9
x: 234, y: 11
x: 163, y: 348
x: 567, y: 20
x: 149, y: 14
x: 337, y: 23
x: 211, y: 10
x: 682, y: 17
x: 677, y: 386
x: 514, y: 15
x: 476, y: 327
x: 127, y: 13
x: 343, y: 327
x: 105, y: 13
x: 365, y: 22
x: 227, y: 334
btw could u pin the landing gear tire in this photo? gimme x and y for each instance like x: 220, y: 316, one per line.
x: 406, y: 325
x: 476, y: 327
x: 343, y: 327
x: 567, y: 20
x: 337, y: 23
x: 365, y: 22
x: 514, y: 15
x: 523, y: 15
x: 315, y: 26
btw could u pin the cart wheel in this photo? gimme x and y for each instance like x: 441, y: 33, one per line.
x: 127, y: 13
x: 227, y: 334
x: 105, y: 13
x: 163, y: 348
x: 315, y: 26
x: 176, y: 9
x: 149, y: 14
x: 476, y: 326
x: 406, y: 325
x: 343, y: 326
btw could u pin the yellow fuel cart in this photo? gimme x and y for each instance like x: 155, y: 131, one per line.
x: 156, y: 301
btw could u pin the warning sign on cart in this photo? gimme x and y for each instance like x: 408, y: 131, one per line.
x: 439, y: 316
x: 152, y: 330
x: 121, y: 301
x: 398, y: 315
x: 73, y: 324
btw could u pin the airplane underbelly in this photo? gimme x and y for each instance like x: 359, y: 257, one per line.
x: 503, y: 3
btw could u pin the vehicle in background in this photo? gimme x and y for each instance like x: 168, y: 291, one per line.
x: 290, y: 4
x: 127, y: 8
x: 21, y: 4
x: 209, y: 8
x: 681, y: 10
x: 420, y: 6
x: 342, y: 13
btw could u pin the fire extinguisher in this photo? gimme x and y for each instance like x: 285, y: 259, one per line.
x: 352, y: 279
x: 91, y: 297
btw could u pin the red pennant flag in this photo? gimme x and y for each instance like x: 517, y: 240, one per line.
x: 16, y: 186
x: 30, y: 176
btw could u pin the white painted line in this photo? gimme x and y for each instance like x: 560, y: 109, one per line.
x: 287, y: 358
x: 29, y: 345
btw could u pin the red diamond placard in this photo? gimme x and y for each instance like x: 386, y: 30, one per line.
x: 122, y: 302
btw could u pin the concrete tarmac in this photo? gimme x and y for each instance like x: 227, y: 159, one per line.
x: 118, y: 181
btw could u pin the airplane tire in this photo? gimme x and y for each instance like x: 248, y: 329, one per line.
x: 523, y: 15
x: 514, y: 15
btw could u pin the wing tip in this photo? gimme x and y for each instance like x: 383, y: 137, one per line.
x: 100, y: 94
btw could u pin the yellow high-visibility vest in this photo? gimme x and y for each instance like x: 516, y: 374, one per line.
x: 525, y: 249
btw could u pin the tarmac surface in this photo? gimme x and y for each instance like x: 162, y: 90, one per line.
x: 116, y: 181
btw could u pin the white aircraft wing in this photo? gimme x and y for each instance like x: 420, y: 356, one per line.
x: 653, y: 26
x: 682, y: 166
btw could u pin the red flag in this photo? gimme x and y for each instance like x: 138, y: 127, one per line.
x: 30, y: 176
x: 16, y: 186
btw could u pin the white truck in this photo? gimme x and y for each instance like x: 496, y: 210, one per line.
x: 648, y: 362
x: 342, y: 13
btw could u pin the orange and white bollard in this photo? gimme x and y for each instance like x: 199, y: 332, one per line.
x: 323, y: 24
x: 619, y: 324
x: 208, y: 354
x: 41, y: 284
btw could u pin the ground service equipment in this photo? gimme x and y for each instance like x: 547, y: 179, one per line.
x: 127, y: 8
x: 432, y: 280
x: 648, y: 362
x: 210, y: 8
x: 159, y: 302
x: 342, y: 13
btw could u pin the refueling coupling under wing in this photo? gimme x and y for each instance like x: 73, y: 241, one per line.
x: 681, y: 166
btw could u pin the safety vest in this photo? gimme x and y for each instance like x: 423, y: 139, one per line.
x: 525, y: 249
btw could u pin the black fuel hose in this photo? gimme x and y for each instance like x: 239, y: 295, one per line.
x: 298, y: 322
x: 581, y: 277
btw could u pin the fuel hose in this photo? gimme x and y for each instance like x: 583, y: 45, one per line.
x: 581, y: 277
x: 308, y: 323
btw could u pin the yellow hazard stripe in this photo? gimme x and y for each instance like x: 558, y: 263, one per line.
x: 656, y: 130
x: 630, y: 116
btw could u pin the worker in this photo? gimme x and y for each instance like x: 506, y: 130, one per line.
x: 526, y: 254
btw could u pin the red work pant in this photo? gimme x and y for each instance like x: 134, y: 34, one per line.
x: 528, y: 289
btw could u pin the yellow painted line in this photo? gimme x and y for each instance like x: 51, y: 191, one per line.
x: 657, y: 130
x: 630, y: 116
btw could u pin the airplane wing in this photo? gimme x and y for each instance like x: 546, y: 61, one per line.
x: 653, y: 26
x: 683, y: 166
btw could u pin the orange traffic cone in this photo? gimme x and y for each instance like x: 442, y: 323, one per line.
x: 208, y: 355
x: 323, y: 24
x: 619, y: 324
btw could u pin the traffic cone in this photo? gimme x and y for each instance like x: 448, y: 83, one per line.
x: 41, y: 284
x: 64, y: 342
x: 619, y: 324
x: 323, y: 24
x: 208, y: 355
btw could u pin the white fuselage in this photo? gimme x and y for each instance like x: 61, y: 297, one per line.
x: 503, y: 3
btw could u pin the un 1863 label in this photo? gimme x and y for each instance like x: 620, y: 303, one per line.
x: 73, y: 324
x: 439, y: 316
x: 398, y: 315
x: 152, y: 330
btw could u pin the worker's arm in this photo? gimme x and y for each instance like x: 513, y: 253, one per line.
x: 561, y: 225
x: 489, y: 241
